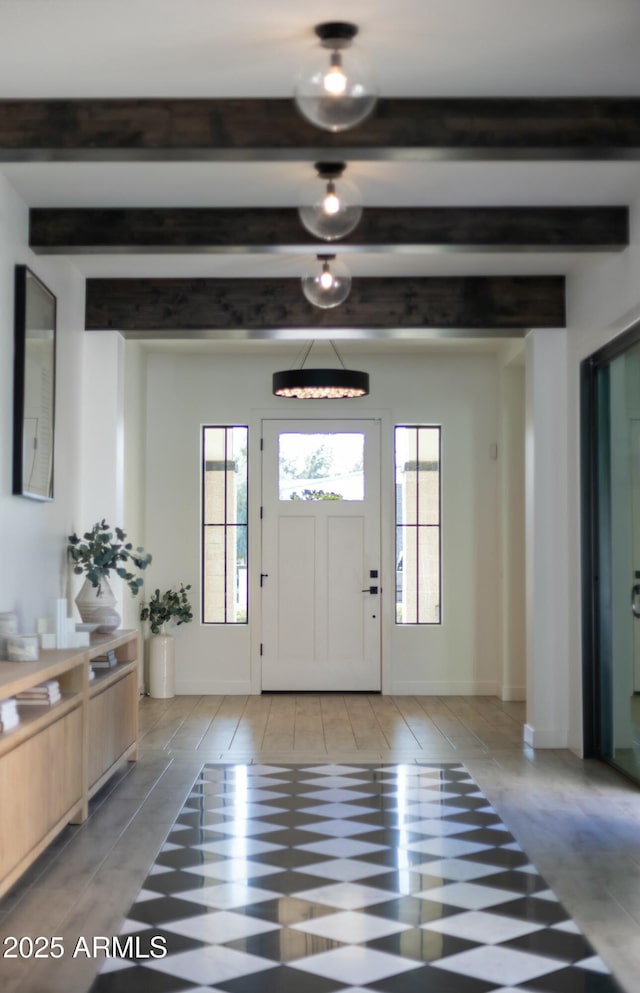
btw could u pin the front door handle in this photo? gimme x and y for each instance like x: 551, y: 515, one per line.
x: 373, y: 590
x: 635, y: 593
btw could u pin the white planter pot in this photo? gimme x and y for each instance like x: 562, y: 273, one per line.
x: 162, y: 665
x: 98, y: 609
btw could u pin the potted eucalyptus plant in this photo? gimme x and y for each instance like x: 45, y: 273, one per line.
x: 97, y: 554
x: 170, y: 607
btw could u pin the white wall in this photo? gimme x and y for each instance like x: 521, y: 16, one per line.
x: 548, y: 572
x: 135, y: 407
x: 32, y: 562
x: 603, y: 299
x: 513, y: 683
x: 134, y: 462
x: 458, y: 391
x: 461, y: 655
x: 112, y: 449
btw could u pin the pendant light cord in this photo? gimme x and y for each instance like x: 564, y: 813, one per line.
x: 304, y: 352
x: 339, y: 357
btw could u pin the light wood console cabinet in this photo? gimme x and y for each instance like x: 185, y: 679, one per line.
x: 59, y: 756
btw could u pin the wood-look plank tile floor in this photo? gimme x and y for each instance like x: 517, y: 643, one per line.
x: 578, y: 821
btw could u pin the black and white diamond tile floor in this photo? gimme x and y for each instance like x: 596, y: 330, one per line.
x: 347, y: 879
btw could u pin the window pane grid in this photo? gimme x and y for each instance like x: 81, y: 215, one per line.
x: 418, y: 565
x: 224, y: 525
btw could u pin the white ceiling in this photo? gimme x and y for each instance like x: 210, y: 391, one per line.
x: 277, y: 184
x: 180, y: 48
x: 210, y: 48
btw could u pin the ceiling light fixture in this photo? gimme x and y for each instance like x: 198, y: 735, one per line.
x: 328, y: 283
x: 335, y: 93
x: 320, y: 384
x: 330, y: 206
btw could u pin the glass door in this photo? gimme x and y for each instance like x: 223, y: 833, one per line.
x: 612, y: 593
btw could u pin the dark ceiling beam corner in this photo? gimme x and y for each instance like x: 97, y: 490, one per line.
x: 271, y: 129
x: 252, y: 230
x: 195, y: 307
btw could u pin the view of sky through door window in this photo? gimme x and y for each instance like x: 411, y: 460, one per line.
x: 321, y: 466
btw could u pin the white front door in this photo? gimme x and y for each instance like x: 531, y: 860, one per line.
x: 321, y: 555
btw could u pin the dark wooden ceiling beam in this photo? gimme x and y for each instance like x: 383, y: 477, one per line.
x: 258, y: 230
x: 185, y: 308
x: 261, y: 130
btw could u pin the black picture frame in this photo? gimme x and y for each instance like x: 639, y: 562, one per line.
x: 34, y: 386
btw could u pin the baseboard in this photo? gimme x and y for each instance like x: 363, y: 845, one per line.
x: 218, y: 687
x: 412, y: 688
x: 433, y: 688
x: 509, y: 694
x: 545, y: 737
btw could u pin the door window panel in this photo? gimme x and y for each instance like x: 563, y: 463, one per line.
x: 321, y: 466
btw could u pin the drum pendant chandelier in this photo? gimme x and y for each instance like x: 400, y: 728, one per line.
x: 320, y: 384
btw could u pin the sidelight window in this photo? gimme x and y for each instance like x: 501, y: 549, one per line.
x: 224, y: 525
x: 418, y: 537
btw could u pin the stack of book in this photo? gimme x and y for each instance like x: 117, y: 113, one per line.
x: 9, y: 717
x: 106, y: 661
x: 41, y: 695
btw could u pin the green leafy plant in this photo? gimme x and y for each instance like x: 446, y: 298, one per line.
x: 172, y: 605
x: 104, y: 550
x: 315, y: 495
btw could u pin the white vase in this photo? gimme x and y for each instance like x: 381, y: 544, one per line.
x: 162, y: 666
x: 98, y: 608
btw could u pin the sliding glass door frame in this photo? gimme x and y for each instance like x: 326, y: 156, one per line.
x: 596, y: 534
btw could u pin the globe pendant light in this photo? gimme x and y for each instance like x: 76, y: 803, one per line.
x: 330, y: 206
x: 320, y: 384
x: 327, y: 283
x: 334, y: 90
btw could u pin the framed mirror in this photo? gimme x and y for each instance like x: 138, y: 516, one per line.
x: 34, y: 386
